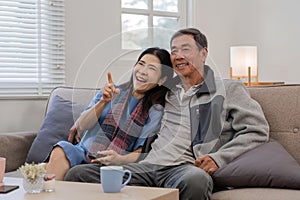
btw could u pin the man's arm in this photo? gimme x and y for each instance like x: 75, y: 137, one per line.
x: 247, y: 122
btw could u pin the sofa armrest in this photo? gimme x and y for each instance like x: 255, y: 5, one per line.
x: 14, y: 147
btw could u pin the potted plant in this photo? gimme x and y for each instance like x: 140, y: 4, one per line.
x: 33, y: 177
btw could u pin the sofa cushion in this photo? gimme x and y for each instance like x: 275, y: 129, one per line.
x: 268, y: 165
x: 57, y: 123
x: 257, y: 194
x: 281, y: 106
x: 14, y: 147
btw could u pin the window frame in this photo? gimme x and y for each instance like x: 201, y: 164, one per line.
x: 183, y: 6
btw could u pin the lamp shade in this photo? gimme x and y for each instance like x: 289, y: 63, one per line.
x: 242, y: 57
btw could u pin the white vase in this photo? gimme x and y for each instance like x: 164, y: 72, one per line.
x: 33, y: 186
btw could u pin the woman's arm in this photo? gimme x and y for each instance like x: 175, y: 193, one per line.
x: 87, y: 120
x: 90, y: 117
x: 113, y: 158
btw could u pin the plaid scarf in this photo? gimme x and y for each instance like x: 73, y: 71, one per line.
x: 115, y: 136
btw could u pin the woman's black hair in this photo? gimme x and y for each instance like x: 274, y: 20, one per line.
x: 157, y: 94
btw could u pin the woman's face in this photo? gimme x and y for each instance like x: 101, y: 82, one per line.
x: 147, y: 74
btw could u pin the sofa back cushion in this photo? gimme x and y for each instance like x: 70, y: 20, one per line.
x: 81, y: 96
x: 64, y: 107
x: 281, y: 105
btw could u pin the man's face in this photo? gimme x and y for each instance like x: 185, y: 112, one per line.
x: 186, y: 58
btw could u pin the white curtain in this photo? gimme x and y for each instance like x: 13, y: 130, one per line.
x: 32, y: 47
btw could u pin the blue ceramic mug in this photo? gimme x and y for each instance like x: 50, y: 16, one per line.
x: 112, y: 178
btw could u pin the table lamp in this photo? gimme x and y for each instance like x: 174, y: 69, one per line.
x: 243, y: 63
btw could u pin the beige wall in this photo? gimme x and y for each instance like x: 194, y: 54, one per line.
x: 271, y: 25
x: 92, y: 42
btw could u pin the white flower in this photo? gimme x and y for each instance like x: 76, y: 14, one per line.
x: 31, y: 171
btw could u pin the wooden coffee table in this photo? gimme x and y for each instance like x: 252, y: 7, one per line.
x: 88, y: 191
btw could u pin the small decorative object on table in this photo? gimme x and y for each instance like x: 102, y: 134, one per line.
x: 33, y: 177
x: 49, y: 182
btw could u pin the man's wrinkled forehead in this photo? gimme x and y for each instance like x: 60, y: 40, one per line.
x: 183, y: 41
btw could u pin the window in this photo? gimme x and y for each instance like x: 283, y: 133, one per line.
x: 32, y: 50
x: 151, y: 22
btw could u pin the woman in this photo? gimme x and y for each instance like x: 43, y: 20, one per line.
x: 126, y: 115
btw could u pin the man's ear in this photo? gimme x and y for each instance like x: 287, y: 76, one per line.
x: 162, y: 81
x: 204, y: 53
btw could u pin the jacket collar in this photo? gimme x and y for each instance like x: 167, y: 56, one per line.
x: 208, y: 86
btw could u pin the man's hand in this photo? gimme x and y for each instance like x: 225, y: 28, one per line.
x: 206, y: 163
x: 109, y: 91
x: 74, y: 135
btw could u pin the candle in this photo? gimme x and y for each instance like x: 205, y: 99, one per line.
x: 49, y: 182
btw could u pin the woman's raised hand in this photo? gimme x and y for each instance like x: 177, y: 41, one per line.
x: 109, y: 91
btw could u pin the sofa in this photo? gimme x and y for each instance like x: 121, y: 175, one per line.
x: 280, y: 103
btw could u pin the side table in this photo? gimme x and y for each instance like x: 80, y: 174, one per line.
x: 263, y: 83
